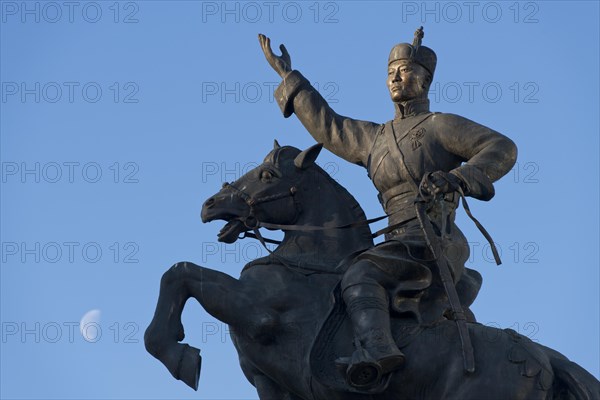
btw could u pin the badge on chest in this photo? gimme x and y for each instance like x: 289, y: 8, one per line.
x: 415, y: 137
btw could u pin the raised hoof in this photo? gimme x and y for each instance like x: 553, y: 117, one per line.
x: 189, y: 366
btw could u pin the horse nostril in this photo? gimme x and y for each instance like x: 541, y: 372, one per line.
x: 210, y: 202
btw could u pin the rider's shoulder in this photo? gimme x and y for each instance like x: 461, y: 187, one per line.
x: 450, y: 120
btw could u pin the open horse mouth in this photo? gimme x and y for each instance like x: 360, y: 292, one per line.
x: 229, y: 208
x: 234, y: 226
x: 231, y: 231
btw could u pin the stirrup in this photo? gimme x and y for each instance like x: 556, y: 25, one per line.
x: 361, y: 370
x: 364, y: 375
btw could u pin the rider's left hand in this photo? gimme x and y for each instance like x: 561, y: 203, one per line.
x: 440, y: 182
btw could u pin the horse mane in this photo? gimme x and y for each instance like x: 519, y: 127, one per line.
x: 289, y: 153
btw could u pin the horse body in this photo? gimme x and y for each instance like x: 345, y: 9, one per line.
x: 288, y: 322
x: 424, y: 377
x: 290, y: 338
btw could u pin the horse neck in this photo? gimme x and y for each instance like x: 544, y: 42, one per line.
x: 326, y: 204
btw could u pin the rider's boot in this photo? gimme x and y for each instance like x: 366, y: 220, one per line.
x: 367, y: 306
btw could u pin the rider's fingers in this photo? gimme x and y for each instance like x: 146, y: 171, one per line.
x: 437, y: 182
x: 438, y: 187
x: 284, y: 52
x: 268, y: 46
x: 436, y: 175
x: 264, y: 43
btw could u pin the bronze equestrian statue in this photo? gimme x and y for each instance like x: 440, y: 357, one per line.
x: 449, y: 151
x: 328, y: 315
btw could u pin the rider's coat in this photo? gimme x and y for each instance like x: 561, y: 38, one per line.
x: 428, y: 142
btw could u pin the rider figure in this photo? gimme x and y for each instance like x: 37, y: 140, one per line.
x: 452, y: 152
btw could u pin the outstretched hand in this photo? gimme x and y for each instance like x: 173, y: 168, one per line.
x: 281, y: 64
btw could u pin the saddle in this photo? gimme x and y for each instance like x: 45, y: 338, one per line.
x: 335, y: 337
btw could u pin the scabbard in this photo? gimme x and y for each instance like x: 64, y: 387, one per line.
x: 434, y: 242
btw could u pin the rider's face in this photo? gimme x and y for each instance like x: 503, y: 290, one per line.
x: 406, y: 80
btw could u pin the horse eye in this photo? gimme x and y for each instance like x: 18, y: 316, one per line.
x: 266, y: 175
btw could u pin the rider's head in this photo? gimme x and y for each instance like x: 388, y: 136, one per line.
x: 410, y: 70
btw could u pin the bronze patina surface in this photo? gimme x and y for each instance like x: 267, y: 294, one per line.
x: 330, y: 315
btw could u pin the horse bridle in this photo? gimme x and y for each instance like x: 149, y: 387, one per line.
x: 250, y: 221
x: 253, y: 223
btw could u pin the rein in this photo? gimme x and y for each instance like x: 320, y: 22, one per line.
x: 251, y: 201
x: 252, y: 223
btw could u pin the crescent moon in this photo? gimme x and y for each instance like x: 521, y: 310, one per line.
x: 89, y: 326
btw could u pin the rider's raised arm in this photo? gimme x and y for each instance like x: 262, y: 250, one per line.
x: 348, y: 138
x: 488, y: 154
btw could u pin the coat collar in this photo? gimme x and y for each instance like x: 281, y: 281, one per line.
x: 411, y: 108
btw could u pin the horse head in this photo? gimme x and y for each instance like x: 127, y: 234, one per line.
x: 290, y: 189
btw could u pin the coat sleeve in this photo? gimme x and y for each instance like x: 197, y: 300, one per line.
x: 487, y: 154
x: 348, y: 138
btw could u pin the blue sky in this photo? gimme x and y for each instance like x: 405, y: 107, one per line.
x: 118, y: 119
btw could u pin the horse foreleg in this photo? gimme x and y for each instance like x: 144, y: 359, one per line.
x: 221, y: 296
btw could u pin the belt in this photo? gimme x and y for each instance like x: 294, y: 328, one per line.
x: 403, y: 189
x: 398, y: 202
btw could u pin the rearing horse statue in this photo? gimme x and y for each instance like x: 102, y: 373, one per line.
x: 289, y: 324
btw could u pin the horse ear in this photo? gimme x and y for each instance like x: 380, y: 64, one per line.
x: 276, y: 144
x: 308, y: 156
